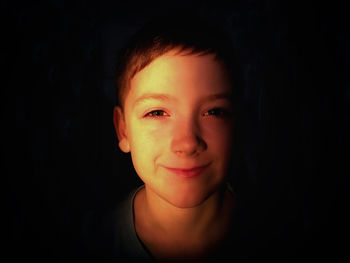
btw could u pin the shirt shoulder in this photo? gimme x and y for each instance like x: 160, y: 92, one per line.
x: 129, y: 245
x: 108, y: 235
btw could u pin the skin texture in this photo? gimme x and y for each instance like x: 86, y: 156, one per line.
x: 177, y: 125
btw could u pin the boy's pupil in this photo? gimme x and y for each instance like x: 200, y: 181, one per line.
x: 215, y: 111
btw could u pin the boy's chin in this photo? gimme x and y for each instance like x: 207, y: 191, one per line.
x: 183, y: 193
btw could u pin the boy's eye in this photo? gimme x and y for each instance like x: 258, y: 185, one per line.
x: 156, y: 114
x: 217, y: 112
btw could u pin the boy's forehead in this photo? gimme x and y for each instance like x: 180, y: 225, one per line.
x: 176, y: 73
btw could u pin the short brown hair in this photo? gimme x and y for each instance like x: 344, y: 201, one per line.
x: 179, y: 29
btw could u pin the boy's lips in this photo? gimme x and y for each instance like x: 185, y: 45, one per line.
x: 187, y: 172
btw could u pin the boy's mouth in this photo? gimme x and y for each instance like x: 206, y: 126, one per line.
x: 188, y: 173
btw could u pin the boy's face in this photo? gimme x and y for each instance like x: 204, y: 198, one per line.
x: 177, y: 124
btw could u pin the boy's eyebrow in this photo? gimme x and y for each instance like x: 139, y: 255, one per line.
x: 155, y: 96
x: 166, y: 97
x: 218, y: 96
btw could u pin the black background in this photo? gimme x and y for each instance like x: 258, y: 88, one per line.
x: 61, y: 156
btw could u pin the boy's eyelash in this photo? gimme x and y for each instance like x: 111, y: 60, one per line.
x: 219, y: 112
x: 156, y: 114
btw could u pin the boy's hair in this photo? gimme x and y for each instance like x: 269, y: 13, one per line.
x: 182, y: 30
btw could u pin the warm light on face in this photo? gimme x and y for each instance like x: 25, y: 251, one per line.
x: 178, y: 125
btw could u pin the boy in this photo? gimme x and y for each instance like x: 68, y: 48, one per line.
x: 178, y: 92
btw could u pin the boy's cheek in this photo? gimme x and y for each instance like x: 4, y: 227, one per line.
x: 149, y: 133
x: 146, y: 145
x: 218, y: 132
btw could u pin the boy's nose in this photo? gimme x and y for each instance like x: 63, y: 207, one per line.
x: 187, y: 140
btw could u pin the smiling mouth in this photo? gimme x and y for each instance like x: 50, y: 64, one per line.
x: 188, y: 173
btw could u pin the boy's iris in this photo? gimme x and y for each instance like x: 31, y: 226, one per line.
x: 156, y: 113
x: 217, y: 112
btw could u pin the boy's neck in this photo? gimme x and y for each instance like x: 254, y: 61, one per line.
x: 169, y: 217
x: 156, y: 218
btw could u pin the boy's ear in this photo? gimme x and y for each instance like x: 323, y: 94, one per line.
x: 120, y: 128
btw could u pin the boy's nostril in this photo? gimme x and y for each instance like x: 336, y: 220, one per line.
x: 188, y: 146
